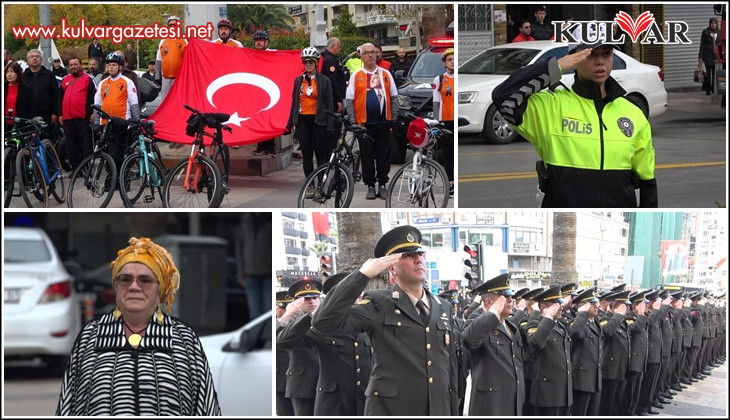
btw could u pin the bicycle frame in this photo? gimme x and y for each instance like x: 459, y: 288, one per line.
x: 152, y: 175
x: 33, y: 143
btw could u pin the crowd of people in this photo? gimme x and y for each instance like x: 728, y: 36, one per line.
x: 554, y: 350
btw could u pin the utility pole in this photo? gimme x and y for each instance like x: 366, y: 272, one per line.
x: 44, y: 17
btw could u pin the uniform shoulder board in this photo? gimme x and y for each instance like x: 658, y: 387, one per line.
x: 604, y: 322
x: 364, y: 302
x: 572, y: 322
x: 523, y: 323
x: 531, y: 331
x: 629, y: 321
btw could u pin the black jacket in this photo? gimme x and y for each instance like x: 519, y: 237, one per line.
x: 332, y: 68
x: 586, y: 353
x: 324, y: 102
x: 707, y: 46
x: 45, y: 92
x: 95, y: 51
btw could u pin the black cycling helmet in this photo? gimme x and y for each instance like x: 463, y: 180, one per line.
x: 115, y: 58
x: 225, y: 23
x: 261, y: 34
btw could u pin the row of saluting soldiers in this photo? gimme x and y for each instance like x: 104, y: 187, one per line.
x: 554, y: 351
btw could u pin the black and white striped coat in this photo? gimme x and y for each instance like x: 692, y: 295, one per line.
x: 167, y: 375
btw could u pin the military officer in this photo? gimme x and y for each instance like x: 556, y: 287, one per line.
x: 654, y: 355
x: 495, y: 350
x: 344, y: 362
x: 531, y: 313
x: 616, y: 348
x: 549, y: 344
x: 414, y: 369
x: 586, y: 355
x: 636, y: 320
x: 283, y: 404
x: 677, y: 339
x: 569, y: 291
x: 301, y: 377
x: 661, y: 394
x: 698, y: 327
x: 457, y: 325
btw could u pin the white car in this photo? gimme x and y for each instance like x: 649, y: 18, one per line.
x: 644, y: 85
x: 241, y: 364
x: 41, y: 312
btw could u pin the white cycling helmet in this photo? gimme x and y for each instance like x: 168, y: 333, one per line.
x: 310, y: 53
x: 172, y: 18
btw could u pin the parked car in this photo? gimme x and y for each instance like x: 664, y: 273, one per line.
x: 644, y: 85
x: 241, y: 364
x: 41, y: 313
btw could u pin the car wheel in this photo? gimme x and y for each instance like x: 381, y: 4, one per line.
x: 640, y: 103
x: 496, y: 129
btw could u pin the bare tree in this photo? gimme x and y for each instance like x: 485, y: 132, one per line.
x: 564, y: 233
x: 434, y: 22
x: 358, y: 234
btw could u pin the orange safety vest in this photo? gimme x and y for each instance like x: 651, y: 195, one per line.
x: 230, y: 43
x: 447, y: 98
x: 361, y: 91
x: 171, y: 51
x: 308, y: 104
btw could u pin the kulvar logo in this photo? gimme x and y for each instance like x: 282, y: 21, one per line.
x: 644, y: 30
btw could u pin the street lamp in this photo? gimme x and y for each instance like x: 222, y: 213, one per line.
x: 137, y: 24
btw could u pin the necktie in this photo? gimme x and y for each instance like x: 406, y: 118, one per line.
x: 423, y: 312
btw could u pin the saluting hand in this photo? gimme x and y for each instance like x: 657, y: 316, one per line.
x: 497, y: 306
x: 657, y: 304
x: 621, y: 309
x: 584, y: 307
x: 375, y: 266
x: 522, y: 304
x: 552, y: 310
x: 568, y: 62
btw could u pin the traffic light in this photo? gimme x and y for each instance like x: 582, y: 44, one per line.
x: 472, y: 270
x: 325, y: 265
x: 403, y: 28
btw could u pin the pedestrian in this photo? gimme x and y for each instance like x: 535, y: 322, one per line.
x: 261, y: 43
x: 593, y: 143
x: 401, y: 63
x: 253, y: 260
x: 344, y: 362
x: 541, y: 29
x: 8, y: 58
x: 586, y: 355
x: 708, y: 40
x: 77, y: 93
x: 414, y: 371
x: 372, y: 100
x: 380, y: 61
x: 130, y: 56
x: 170, y: 54
x: 495, y: 350
x: 95, y: 50
x: 616, y: 347
x: 332, y: 68
x: 138, y: 360
x: 45, y: 89
x: 225, y: 30
x: 58, y: 70
x: 283, y: 404
x: 443, y: 109
x: 150, y: 73
x: 549, y: 344
x: 18, y: 96
x: 308, y: 116
x: 94, y: 71
x: 525, y: 32
x: 303, y: 371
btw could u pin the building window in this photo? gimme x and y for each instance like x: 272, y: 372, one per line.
x: 292, y: 263
x: 475, y: 17
x: 288, y: 224
x: 433, y: 240
x: 291, y: 243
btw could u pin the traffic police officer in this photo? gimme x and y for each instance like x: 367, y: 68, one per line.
x: 495, y: 349
x: 414, y: 368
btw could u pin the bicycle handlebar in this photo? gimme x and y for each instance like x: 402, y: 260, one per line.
x: 212, y: 119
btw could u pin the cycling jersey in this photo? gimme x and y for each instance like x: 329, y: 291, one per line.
x: 230, y: 43
x: 443, y: 95
x: 170, y: 53
x: 357, y: 94
x: 593, y: 148
x: 308, y: 97
x: 118, y: 97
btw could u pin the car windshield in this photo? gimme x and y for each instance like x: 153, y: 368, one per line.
x: 498, y: 61
x: 427, y: 66
x: 26, y: 251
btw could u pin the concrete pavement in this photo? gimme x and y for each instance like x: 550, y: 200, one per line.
x: 707, y: 397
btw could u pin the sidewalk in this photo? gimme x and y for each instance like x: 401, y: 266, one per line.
x: 690, y: 107
x: 707, y: 397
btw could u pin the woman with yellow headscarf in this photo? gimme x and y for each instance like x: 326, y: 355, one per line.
x: 138, y: 360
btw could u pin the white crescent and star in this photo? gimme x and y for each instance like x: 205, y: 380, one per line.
x: 247, y: 79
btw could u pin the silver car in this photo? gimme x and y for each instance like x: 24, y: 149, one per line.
x: 41, y: 311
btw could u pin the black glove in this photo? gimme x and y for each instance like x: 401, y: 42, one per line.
x: 97, y: 129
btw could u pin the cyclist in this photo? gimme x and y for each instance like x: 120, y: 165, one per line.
x: 117, y: 96
x: 372, y: 100
x: 225, y: 29
x: 311, y: 98
x: 169, y: 58
x: 443, y: 109
x: 261, y: 43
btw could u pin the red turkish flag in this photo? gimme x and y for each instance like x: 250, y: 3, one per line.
x: 253, y: 86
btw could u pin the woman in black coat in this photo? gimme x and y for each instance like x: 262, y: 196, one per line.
x: 18, y: 95
x: 707, y: 54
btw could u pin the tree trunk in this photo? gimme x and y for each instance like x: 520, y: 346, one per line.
x: 434, y: 22
x: 358, y: 233
x: 564, y: 233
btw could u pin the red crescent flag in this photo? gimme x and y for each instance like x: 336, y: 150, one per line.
x: 253, y: 86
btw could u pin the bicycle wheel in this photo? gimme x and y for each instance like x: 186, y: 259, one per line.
x: 8, y: 175
x: 204, y: 185
x: 330, y: 186
x: 426, y: 186
x: 93, y: 182
x: 140, y: 189
x: 31, y: 183
x: 57, y: 187
x: 220, y: 156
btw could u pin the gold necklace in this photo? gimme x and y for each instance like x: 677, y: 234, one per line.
x: 134, y: 339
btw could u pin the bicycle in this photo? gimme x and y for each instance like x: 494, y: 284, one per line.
x: 332, y: 184
x: 13, y: 144
x: 93, y: 182
x: 422, y: 182
x: 38, y: 167
x: 197, y: 181
x: 142, y: 169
